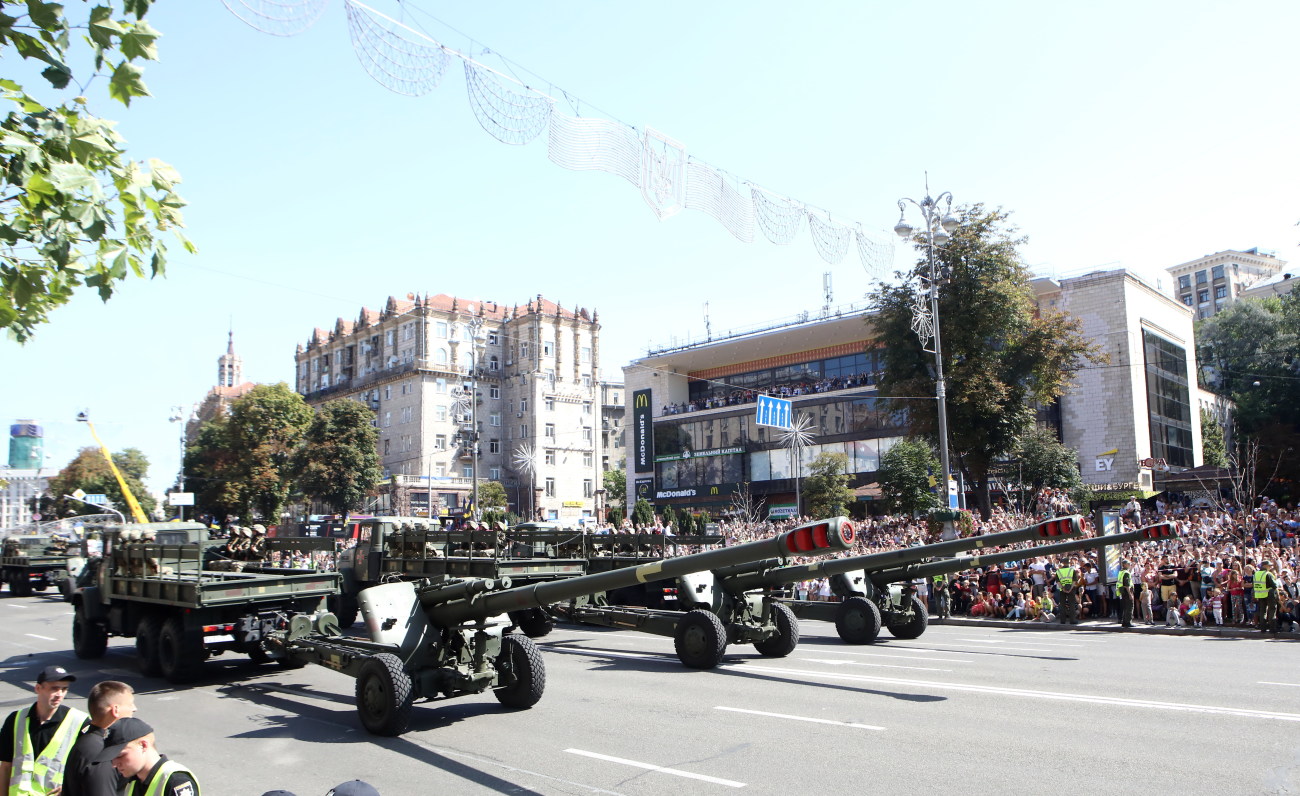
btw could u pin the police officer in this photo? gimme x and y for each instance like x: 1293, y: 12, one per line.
x: 1124, y: 589
x: 939, y: 586
x: 132, y: 748
x: 1266, y: 597
x: 1068, y: 580
x: 108, y: 702
x: 35, y: 742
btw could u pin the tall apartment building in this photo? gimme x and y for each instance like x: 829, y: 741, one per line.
x: 25, y: 476
x: 1210, y: 283
x: 535, y: 409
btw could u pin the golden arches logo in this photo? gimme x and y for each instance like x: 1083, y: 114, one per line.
x: 641, y: 401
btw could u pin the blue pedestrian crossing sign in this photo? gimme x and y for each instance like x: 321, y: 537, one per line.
x: 776, y: 412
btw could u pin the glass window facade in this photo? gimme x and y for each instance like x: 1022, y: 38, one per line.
x: 1168, y: 400
x: 843, y: 372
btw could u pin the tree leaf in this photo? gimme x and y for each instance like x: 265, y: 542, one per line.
x: 103, y: 27
x: 140, y: 42
x: 126, y: 83
x: 47, y: 16
x: 59, y: 75
x: 73, y: 177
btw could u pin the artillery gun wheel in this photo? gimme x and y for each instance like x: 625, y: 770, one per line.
x: 89, y: 639
x: 344, y: 606
x: 180, y: 654
x: 40, y: 586
x: 857, y: 620
x: 787, y: 633
x: 915, y: 624
x: 258, y: 655
x: 146, y: 645
x: 384, y: 695
x: 521, y: 658
x: 701, y: 640
x: 533, y: 622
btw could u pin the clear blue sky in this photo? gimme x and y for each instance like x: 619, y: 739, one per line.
x: 1120, y: 133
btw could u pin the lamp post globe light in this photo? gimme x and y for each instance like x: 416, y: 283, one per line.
x: 936, y: 231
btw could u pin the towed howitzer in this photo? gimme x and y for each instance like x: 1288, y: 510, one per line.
x: 864, y: 606
x: 948, y: 566
x: 446, y: 637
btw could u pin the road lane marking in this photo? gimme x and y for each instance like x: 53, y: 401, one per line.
x: 676, y: 772
x: 836, y: 662
x: 1024, y: 692
x: 46, y: 638
x: 800, y: 718
x: 1289, y: 685
x: 891, y: 656
x: 1004, y: 641
x: 998, y: 650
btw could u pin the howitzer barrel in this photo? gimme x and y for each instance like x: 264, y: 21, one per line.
x: 817, y: 538
x: 436, y: 593
x: 948, y: 566
x: 759, y: 578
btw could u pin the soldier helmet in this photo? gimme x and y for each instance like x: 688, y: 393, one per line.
x: 259, y: 528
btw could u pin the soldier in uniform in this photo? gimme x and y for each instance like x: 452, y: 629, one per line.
x: 35, y: 742
x: 1068, y: 580
x: 1124, y: 589
x: 132, y: 748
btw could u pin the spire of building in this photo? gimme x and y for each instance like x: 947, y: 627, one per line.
x: 230, y: 367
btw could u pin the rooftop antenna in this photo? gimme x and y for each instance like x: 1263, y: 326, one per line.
x: 708, y: 327
x: 827, y: 294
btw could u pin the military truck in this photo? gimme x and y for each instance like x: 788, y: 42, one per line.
x: 446, y: 636
x: 33, y: 562
x: 156, y: 583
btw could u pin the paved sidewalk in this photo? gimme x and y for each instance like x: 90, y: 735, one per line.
x: 1112, y: 626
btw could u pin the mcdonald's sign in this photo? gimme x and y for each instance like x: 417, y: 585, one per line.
x: 643, y: 457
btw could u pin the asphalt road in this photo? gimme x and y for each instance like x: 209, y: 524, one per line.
x: 969, y: 709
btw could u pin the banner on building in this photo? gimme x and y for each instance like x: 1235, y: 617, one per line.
x: 643, y: 455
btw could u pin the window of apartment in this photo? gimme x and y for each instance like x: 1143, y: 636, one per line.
x: 586, y: 407
x: 493, y: 339
x: 1221, y: 291
x: 586, y: 487
x: 586, y: 433
x: 494, y: 391
x: 440, y: 469
x: 440, y: 412
x: 388, y: 393
x: 494, y: 363
x: 523, y: 430
x: 440, y: 356
x: 1188, y: 300
x: 550, y: 430
x: 550, y: 487
x: 1216, y: 272
x: 585, y: 354
x: 408, y: 414
x: 391, y: 337
x: 467, y: 471
x: 1185, y: 282
x: 440, y: 442
x: 586, y: 382
x: 523, y: 351
x: 1200, y: 277
x: 586, y: 459
x: 388, y: 419
x: 440, y: 330
x: 1202, y: 296
x: 494, y: 446
x: 494, y: 419
x: 550, y: 404
x: 440, y: 386
x: 548, y: 349
x: 494, y: 473
x: 387, y: 447
x: 523, y: 404
x: 550, y: 457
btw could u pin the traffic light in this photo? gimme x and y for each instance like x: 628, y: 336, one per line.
x: 1061, y: 526
x: 1162, y: 530
x: 833, y: 534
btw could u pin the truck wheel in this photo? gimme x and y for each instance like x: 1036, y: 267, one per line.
x: 21, y: 584
x: 42, y: 586
x: 146, y: 645
x: 533, y: 622
x: 89, y: 639
x: 857, y: 620
x: 343, y: 606
x: 384, y: 695
x: 258, y: 655
x: 180, y: 654
x: 700, y: 639
x: 521, y: 660
x: 787, y: 633
x: 914, y: 625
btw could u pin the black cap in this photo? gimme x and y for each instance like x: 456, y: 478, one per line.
x: 353, y: 788
x: 121, y: 733
x: 52, y: 674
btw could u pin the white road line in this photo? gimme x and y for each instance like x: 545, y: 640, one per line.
x: 16, y: 605
x: 892, y: 656
x: 1004, y: 641
x: 999, y: 649
x: 1289, y: 685
x: 800, y: 718
x: 837, y: 662
x: 1024, y: 692
x: 46, y: 638
x: 660, y: 769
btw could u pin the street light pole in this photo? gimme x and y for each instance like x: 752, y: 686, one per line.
x: 475, y: 340
x: 178, y: 416
x: 935, y: 232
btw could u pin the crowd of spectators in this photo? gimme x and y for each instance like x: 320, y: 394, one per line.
x: 795, y: 389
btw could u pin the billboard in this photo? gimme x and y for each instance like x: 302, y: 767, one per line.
x: 643, y: 455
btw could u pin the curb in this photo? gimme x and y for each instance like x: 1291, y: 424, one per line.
x: 1114, y: 627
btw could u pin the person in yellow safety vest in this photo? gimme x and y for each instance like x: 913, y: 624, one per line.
x: 1068, y: 578
x: 1266, y: 597
x: 1124, y: 590
x: 940, y: 589
x: 35, y: 741
x: 132, y: 747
